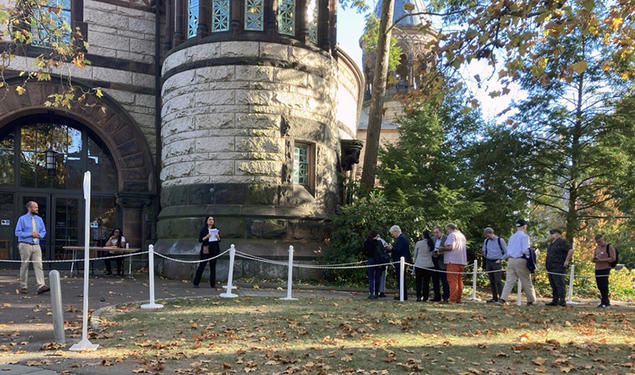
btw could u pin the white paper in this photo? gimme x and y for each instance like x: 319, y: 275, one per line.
x: 212, y: 235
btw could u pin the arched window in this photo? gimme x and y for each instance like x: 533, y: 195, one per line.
x: 54, y: 155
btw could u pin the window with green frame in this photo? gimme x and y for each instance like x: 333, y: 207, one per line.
x: 301, y: 164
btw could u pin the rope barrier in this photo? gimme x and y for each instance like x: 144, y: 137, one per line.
x: 191, y: 261
x: 73, y: 260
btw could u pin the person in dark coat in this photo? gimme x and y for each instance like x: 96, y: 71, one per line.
x: 209, y: 238
x: 437, y: 258
x: 374, y: 252
x: 559, y: 253
x: 401, y: 248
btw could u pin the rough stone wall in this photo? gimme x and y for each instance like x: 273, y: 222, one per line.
x: 237, y: 123
x: 349, y: 86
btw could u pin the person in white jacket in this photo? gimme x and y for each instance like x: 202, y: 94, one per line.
x: 424, y: 269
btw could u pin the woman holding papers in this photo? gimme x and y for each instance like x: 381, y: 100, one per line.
x: 209, y: 239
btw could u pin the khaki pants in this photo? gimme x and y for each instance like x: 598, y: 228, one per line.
x: 517, y: 269
x: 33, y: 253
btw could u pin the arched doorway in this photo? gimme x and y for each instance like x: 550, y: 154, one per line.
x: 115, y: 136
x: 42, y: 159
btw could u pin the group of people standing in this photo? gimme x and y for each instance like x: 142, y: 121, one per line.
x: 441, y: 258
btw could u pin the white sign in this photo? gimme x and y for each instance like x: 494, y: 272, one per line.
x: 5, y: 222
x: 212, y: 235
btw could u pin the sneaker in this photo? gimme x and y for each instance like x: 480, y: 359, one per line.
x: 195, y: 286
x: 372, y: 296
x: 529, y: 303
x: 382, y: 295
x: 491, y: 301
x: 418, y: 299
x: 24, y: 291
x: 43, y: 289
x: 552, y: 303
x: 562, y: 303
x: 502, y: 302
x: 602, y: 306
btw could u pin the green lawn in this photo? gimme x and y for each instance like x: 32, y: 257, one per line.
x: 326, y: 336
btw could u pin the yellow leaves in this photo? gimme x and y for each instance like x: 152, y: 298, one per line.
x: 579, y: 67
x: 615, y: 23
x: 409, y: 7
x: 20, y: 90
x: 539, y: 361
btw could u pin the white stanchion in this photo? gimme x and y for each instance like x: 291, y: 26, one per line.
x: 85, y: 344
x: 230, y: 275
x: 518, y: 298
x: 571, y: 275
x: 402, y: 270
x: 474, y: 274
x: 152, y: 304
x: 289, y: 296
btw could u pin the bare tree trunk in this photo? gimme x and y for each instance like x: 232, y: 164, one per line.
x: 377, y: 97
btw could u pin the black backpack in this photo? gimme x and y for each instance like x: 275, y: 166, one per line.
x: 499, y: 246
x: 613, y: 263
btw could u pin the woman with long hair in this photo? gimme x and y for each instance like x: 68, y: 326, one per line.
x: 209, y: 238
x: 424, y: 268
x: 116, y: 240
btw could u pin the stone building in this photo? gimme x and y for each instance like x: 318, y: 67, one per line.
x: 240, y: 109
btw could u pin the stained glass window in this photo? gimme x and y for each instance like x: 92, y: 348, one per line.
x: 312, y: 20
x: 254, y: 13
x: 286, y: 17
x: 301, y: 164
x: 220, y: 15
x: 51, y: 22
x: 192, y: 21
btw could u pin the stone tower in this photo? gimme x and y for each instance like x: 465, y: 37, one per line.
x: 256, y: 99
x: 414, y: 44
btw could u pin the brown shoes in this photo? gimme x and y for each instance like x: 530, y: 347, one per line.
x: 24, y: 290
x: 43, y: 289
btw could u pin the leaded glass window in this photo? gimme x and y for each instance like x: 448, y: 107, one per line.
x: 51, y: 23
x: 220, y: 15
x: 301, y: 164
x: 254, y: 15
x: 312, y: 20
x: 286, y: 17
x: 192, y: 21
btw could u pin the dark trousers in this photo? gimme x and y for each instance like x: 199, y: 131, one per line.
x: 443, y: 277
x: 375, y: 275
x: 118, y: 262
x: 495, y: 278
x: 422, y: 283
x: 557, y: 285
x: 405, y: 287
x: 602, y: 281
x: 201, y: 269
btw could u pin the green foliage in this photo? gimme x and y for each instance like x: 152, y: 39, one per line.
x: 369, y: 43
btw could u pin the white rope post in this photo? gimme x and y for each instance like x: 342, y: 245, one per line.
x: 289, y: 296
x: 474, y: 280
x: 230, y: 274
x: 129, y: 261
x: 84, y: 344
x: 520, y: 287
x: 151, y: 305
x: 571, y: 275
x: 402, y: 270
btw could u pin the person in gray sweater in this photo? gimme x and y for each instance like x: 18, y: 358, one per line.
x: 424, y: 269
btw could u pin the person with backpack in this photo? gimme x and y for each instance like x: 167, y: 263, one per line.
x: 559, y: 253
x: 375, y: 254
x: 494, y: 252
x: 605, y: 258
x: 518, y: 266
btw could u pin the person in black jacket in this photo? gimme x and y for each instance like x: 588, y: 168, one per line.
x: 210, y: 240
x: 374, y: 252
x: 401, y: 248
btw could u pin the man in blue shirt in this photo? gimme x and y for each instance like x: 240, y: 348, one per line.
x: 518, y: 250
x: 494, y: 251
x: 30, y: 231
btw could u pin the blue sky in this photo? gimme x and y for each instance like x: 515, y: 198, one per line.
x: 350, y: 26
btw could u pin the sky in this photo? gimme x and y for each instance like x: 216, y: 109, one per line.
x: 350, y: 26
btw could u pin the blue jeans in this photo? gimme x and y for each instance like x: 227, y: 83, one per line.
x: 375, y: 275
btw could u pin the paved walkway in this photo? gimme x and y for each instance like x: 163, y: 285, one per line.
x: 26, y: 323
